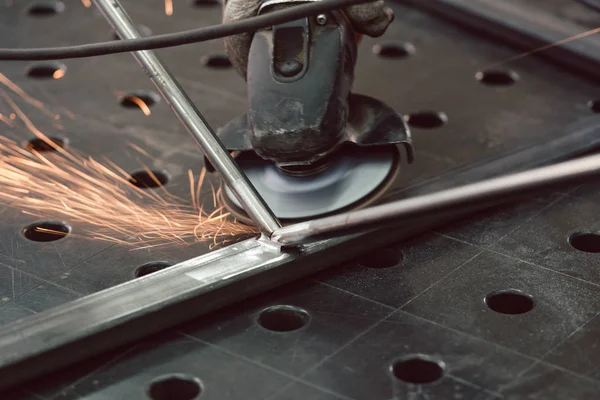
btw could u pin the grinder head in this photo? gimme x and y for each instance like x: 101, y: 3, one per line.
x: 308, y: 145
x: 300, y: 105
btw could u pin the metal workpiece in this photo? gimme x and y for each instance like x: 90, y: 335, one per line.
x: 133, y: 310
x: 451, y: 193
x: 362, y: 324
x: 191, y: 118
x: 475, y: 196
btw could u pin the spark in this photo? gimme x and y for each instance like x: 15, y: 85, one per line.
x: 87, y: 3
x: 13, y: 87
x: 98, y: 194
x: 6, y: 120
x: 169, y: 7
x: 547, y: 47
x: 59, y: 73
x: 141, y: 104
x: 101, y: 197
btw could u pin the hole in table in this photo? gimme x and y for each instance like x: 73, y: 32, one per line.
x: 497, y: 77
x: 418, y: 369
x: 427, y: 119
x: 216, y: 61
x: 45, y: 8
x: 382, y: 258
x: 594, y: 105
x: 205, y: 3
x: 175, y: 387
x: 511, y: 301
x: 147, y: 179
x: 283, y: 318
x: 585, y: 241
x: 151, y: 267
x: 43, y: 146
x: 46, y: 70
x: 46, y: 231
x: 142, y: 29
x: 141, y: 100
x: 393, y: 50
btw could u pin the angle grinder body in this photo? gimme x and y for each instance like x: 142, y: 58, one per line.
x: 308, y: 144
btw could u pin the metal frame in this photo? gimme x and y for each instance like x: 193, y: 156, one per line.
x: 191, y: 118
x: 82, y: 328
x: 102, y: 321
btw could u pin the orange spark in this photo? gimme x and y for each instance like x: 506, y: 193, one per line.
x: 22, y: 94
x: 59, y: 73
x: 141, y: 104
x: 547, y: 47
x: 99, y: 196
x: 169, y: 7
x: 7, y: 121
x: 87, y: 3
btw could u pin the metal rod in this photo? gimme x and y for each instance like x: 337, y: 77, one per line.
x: 80, y: 329
x: 191, y: 118
x: 479, y: 195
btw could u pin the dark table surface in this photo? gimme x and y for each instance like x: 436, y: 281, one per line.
x: 356, y: 320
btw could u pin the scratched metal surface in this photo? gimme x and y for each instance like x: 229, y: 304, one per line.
x: 423, y: 297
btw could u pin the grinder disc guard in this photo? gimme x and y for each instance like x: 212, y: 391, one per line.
x: 352, y: 178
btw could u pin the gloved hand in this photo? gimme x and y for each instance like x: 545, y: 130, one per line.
x: 371, y: 19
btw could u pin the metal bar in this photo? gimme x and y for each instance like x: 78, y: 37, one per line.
x: 191, y: 118
x: 474, y: 196
x: 524, y: 27
x: 122, y: 314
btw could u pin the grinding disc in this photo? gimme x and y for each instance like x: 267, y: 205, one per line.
x: 351, y: 180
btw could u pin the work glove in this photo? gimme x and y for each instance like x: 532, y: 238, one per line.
x: 371, y: 19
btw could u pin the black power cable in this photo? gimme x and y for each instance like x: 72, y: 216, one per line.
x: 180, y: 38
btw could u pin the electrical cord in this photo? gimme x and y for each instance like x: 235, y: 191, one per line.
x: 177, y: 39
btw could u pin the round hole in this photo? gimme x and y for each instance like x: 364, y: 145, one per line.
x: 46, y: 231
x: 594, y: 106
x: 142, y: 29
x: 140, y: 99
x: 585, y: 241
x: 217, y: 61
x: 43, y: 146
x: 393, y: 50
x: 175, y: 387
x: 46, y: 71
x: 427, y: 119
x: 148, y: 179
x: 151, y: 267
x: 418, y: 369
x: 283, y: 318
x: 205, y: 3
x: 497, y: 77
x: 383, y: 258
x: 510, y: 301
x: 45, y: 8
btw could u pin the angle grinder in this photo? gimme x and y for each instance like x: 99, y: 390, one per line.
x: 309, y: 146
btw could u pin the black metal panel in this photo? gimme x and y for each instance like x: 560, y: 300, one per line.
x: 354, y: 332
